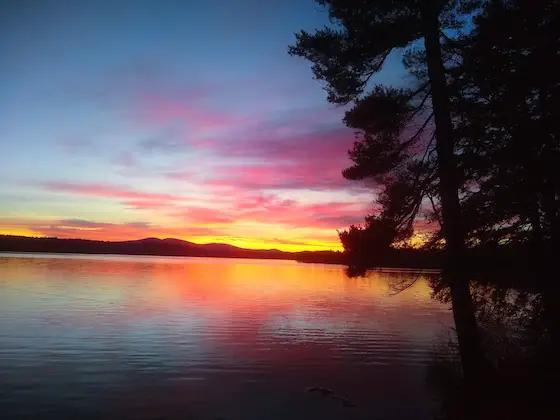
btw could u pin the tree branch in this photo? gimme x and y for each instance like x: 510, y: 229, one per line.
x: 416, y: 135
x: 416, y: 92
x: 402, y: 288
x: 428, y: 152
x: 422, y: 103
x: 434, y: 208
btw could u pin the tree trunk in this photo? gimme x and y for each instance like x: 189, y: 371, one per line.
x: 537, y: 240
x: 551, y: 288
x: 453, y: 232
x: 551, y: 215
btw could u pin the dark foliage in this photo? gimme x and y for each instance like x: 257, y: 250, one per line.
x: 396, y: 143
x: 345, y: 58
x: 517, y: 340
x: 472, y: 145
x: 502, y: 84
x: 508, y: 97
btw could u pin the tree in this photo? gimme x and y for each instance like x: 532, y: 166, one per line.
x: 392, y: 125
x: 348, y: 55
x: 508, y: 95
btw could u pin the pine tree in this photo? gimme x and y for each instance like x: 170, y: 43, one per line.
x: 347, y: 56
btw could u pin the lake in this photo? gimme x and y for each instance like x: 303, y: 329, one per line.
x: 194, y: 338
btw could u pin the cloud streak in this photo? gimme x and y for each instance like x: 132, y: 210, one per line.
x: 103, y: 231
x: 240, y: 144
x: 246, y: 177
x: 128, y: 196
x: 312, y: 161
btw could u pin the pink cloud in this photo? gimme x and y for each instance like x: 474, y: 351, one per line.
x: 248, y: 201
x: 296, y: 149
x: 271, y: 209
x: 325, y: 145
x: 238, y: 205
x: 303, y: 161
x: 147, y: 204
x: 157, y: 110
x: 303, y: 149
x: 204, y: 215
x: 234, y: 205
x: 129, y: 196
x: 280, y: 175
x: 242, y: 206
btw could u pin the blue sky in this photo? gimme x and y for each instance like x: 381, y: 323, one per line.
x: 125, y: 119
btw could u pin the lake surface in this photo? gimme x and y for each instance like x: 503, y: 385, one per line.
x: 194, y: 338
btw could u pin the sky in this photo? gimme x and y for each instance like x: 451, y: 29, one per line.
x: 129, y: 119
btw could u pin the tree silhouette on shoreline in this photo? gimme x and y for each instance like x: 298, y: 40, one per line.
x: 346, y: 57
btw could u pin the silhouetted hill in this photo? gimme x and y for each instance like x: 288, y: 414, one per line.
x: 159, y: 247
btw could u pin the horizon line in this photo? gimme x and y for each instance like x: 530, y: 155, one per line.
x: 168, y: 238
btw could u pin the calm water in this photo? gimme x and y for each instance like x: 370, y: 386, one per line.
x: 195, y: 338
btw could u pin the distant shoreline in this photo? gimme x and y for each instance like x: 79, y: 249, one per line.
x: 159, y: 248
x: 2, y: 252
x: 399, y: 260
x: 70, y: 253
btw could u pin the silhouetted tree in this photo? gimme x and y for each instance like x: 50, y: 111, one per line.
x: 346, y: 57
x: 508, y: 88
x: 508, y: 93
x: 394, y: 126
x: 517, y: 345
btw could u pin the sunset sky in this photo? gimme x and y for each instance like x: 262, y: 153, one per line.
x: 171, y: 118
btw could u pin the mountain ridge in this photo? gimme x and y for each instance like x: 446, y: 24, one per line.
x: 157, y: 247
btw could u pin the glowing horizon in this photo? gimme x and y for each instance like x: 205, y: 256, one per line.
x: 247, y: 243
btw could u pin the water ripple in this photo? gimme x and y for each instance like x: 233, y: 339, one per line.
x: 117, y: 337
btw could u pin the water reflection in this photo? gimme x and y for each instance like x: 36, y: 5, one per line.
x: 516, y: 321
x: 208, y: 338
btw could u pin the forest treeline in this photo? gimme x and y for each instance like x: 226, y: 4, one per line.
x: 481, y: 259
